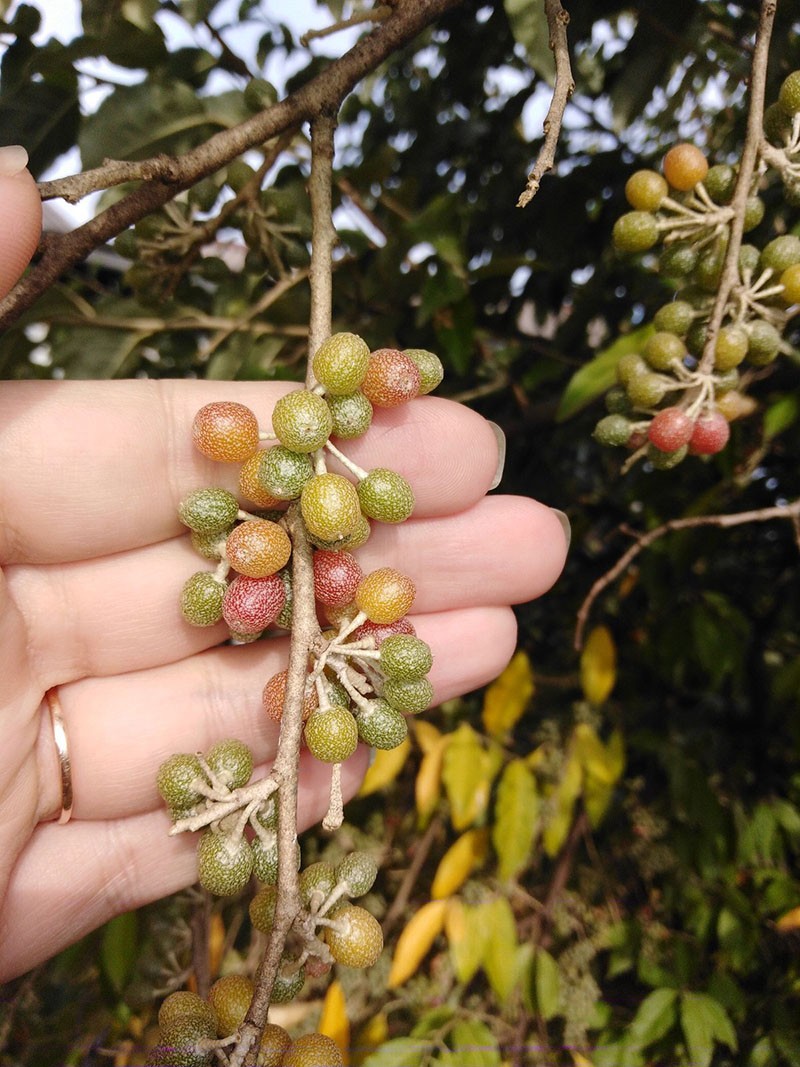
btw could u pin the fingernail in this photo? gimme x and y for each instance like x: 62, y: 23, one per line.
x: 500, y: 437
x: 13, y: 159
x: 565, y: 524
x: 373, y: 755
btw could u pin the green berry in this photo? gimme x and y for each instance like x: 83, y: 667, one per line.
x: 696, y: 337
x: 331, y: 734
x: 645, y: 189
x: 664, y: 349
x: 628, y: 366
x: 230, y: 998
x: 317, y: 882
x: 664, y: 461
x: 201, y: 599
x: 231, y: 761
x: 777, y: 125
x: 646, y: 390
x: 764, y: 343
x: 386, y: 496
x: 330, y: 507
x: 208, y: 511
x: 637, y: 231
x: 313, y: 1050
x: 288, y: 982
x: 177, y: 779
x: 405, y: 657
x: 677, y: 260
x: 358, y: 871
x: 616, y: 401
x: 265, y: 858
x: 262, y: 908
x: 381, y: 725
x: 749, y: 257
x: 613, y: 430
x: 356, y: 940
x: 284, y: 473
x: 429, y: 366
x: 780, y: 253
x: 789, y: 94
x: 731, y: 347
x: 753, y: 212
x: 709, y: 270
x: 340, y: 363
x: 725, y: 382
x: 409, y: 697
x: 182, y: 1008
x: 224, y: 865
x: 210, y: 545
x: 676, y: 317
x: 302, y: 421
x: 357, y: 538
x: 352, y: 415
x: 720, y: 183
x: 275, y: 1042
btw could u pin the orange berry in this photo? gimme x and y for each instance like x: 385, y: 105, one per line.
x: 225, y: 431
x: 258, y: 548
x: 275, y: 693
x: 385, y: 595
x: 274, y: 1043
x: 313, y: 1050
x: 250, y: 486
x: 684, y: 166
x: 392, y: 378
x: 230, y: 998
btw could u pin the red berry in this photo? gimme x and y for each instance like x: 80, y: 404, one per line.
x: 336, y: 577
x: 670, y: 429
x: 253, y: 604
x: 274, y: 695
x: 381, y: 630
x: 392, y: 378
x: 710, y: 434
x: 225, y: 431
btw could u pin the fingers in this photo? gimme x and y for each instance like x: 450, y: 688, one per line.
x: 122, y: 728
x: 20, y: 215
x: 71, y: 879
x: 99, y: 467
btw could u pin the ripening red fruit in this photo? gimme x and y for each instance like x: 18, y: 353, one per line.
x: 710, y: 435
x: 225, y: 431
x: 253, y: 604
x: 336, y: 577
x: 381, y: 630
x: 392, y: 378
x: 670, y: 429
x: 274, y: 695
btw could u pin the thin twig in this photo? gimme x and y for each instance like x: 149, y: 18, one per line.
x: 557, y: 21
x: 323, y: 236
x: 376, y: 14
x: 780, y: 511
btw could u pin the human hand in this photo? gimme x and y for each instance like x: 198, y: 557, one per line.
x: 93, y: 560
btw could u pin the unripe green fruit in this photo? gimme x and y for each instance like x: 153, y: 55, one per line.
x: 288, y: 982
x: 331, y: 734
x: 720, y: 183
x: 208, y: 511
x: 267, y: 813
x: 357, y: 538
x: 789, y: 94
x: 431, y: 371
x: 646, y: 390
x: 210, y: 545
x: 386, y: 496
x: 409, y: 697
x: 628, y: 366
x: 302, y: 421
x: 709, y: 270
x: 405, y: 657
x: 262, y: 908
x: 230, y: 998
x: 677, y: 259
x: 764, y: 343
x: 330, y: 507
x: 749, y: 258
x: 637, y: 231
x: 201, y: 599
x: 357, y: 939
x: 259, y: 94
x: 317, y: 882
x: 351, y: 414
x: 265, y: 858
x: 176, y: 779
x: 284, y: 473
x: 231, y: 761
x: 725, y: 382
x: 753, y: 213
x: 676, y: 317
x: 182, y: 1008
x: 696, y: 338
x: 731, y: 347
x: 358, y: 871
x: 170, y: 1055
x: 313, y: 1050
x: 663, y: 349
x: 381, y: 725
x: 645, y: 189
x: 780, y: 253
x: 275, y: 1042
x: 777, y: 125
x: 224, y: 866
x: 340, y: 363
x: 616, y: 401
x: 664, y: 461
x: 613, y: 430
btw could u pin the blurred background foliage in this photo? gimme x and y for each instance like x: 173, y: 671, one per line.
x: 595, y: 861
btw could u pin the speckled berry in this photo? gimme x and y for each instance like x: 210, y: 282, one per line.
x: 202, y: 598
x: 251, y: 486
x: 302, y: 421
x: 340, y: 363
x: 265, y: 858
x: 331, y: 734
x: 636, y: 231
x: 336, y: 577
x: 386, y: 496
x: 352, y: 415
x: 789, y: 93
x: 670, y: 429
x: 210, y: 545
x: 356, y: 539
x: 429, y: 366
x: 330, y: 507
x: 763, y: 342
x: 392, y: 378
x: 381, y: 725
x: 288, y: 982
x: 405, y: 658
x: 275, y: 1042
x: 231, y: 761
x: 356, y: 940
x: 283, y: 473
x: 174, y: 1056
x: 177, y: 779
x: 313, y: 1050
x: 209, y: 510
x: 710, y: 435
x: 684, y: 166
x: 675, y: 317
x: 358, y: 871
x: 262, y: 908
x: 225, y: 431
x: 613, y: 430
x: 274, y: 695
x: 224, y: 865
x: 181, y: 1008
x: 730, y: 348
x: 317, y: 883
x: 645, y: 189
x: 251, y: 605
x: 385, y: 595
x: 665, y: 461
x: 379, y: 631
x: 410, y: 697
x: 663, y: 350
x: 258, y: 548
x: 230, y: 998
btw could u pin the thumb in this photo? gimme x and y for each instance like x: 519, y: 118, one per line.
x: 20, y: 215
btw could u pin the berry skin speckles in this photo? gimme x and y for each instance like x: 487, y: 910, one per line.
x: 225, y: 431
x: 392, y: 378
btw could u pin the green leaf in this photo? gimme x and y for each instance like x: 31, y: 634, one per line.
x: 118, y: 950
x: 547, y: 984
x: 529, y: 26
x: 599, y: 374
x: 500, y: 950
x: 704, y: 1021
x: 474, y: 1045
x: 401, y: 1052
x: 467, y: 777
x: 655, y: 1017
x: 780, y: 416
x: 515, y: 819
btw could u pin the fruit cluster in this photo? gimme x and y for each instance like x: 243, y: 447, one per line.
x: 680, y: 392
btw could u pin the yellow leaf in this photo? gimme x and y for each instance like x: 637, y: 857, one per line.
x: 598, y: 665
x: 500, y: 957
x: 458, y: 863
x: 516, y: 818
x: 370, y: 1037
x: 789, y: 921
x: 217, y: 942
x: 560, y: 804
x: 333, y: 1022
x: 467, y: 774
x: 580, y: 1061
x: 415, y: 941
x: 466, y: 936
x: 388, y: 764
x: 602, y: 767
x: 425, y: 734
x: 428, y: 783
x: 508, y: 696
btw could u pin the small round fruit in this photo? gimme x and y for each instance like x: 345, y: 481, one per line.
x: 176, y: 781
x: 182, y: 1008
x: 392, y: 378
x: 684, y: 166
x: 780, y: 253
x: 735, y: 405
x: 636, y: 231
x: 381, y: 725
x: 210, y: 546
x: 616, y: 401
x: 231, y: 761
x: 331, y: 734
x: 646, y: 390
x: 230, y: 998
x: 408, y: 697
x: 275, y: 1042
x: 355, y: 540
x: 731, y: 347
x: 336, y: 577
x: 330, y: 507
x: 283, y: 473
x: 753, y: 212
x: 386, y: 496
x: 670, y: 429
x: 405, y: 658
x: 258, y: 548
x: 664, y: 349
x: 202, y: 598
x: 340, y: 363
x: 777, y: 125
x: 252, y: 604
x: 763, y: 344
x: 171, y: 1055
x: 379, y: 631
x: 262, y: 908
x: 352, y: 415
x: 313, y: 1050
x: 289, y: 981
x: 645, y: 189
x: 265, y: 858
x: 726, y: 380
x: 317, y: 882
x: 302, y: 421
x: 250, y: 485
x: 274, y: 695
x: 385, y: 595
x: 208, y: 511
x: 629, y: 366
x: 676, y: 317
x: 790, y: 280
x: 224, y: 865
x: 720, y: 183
x: 749, y: 257
x: 358, y: 871
x: 677, y: 259
x: 357, y: 939
x: 225, y: 431
x: 431, y: 371
x: 665, y: 461
x: 710, y: 435
x: 789, y: 93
